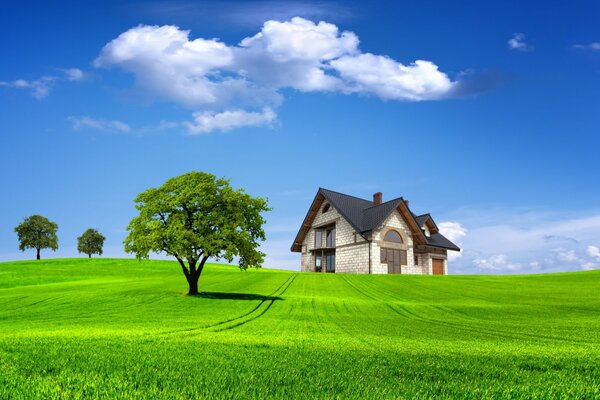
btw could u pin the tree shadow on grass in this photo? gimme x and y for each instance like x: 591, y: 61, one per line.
x: 237, y: 296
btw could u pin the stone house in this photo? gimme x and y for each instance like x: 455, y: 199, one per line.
x: 345, y: 234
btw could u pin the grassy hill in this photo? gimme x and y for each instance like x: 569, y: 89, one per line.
x: 80, y: 328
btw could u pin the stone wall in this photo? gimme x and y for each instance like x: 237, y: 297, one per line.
x: 352, y: 251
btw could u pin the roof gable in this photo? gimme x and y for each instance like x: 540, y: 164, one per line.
x: 427, y: 219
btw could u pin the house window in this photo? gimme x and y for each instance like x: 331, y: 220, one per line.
x: 393, y: 236
x: 330, y: 262
x: 318, y: 239
x: 416, y: 259
x: 330, y: 237
x: 318, y: 263
x: 326, y: 208
x: 394, y: 259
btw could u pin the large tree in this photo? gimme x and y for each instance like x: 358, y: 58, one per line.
x: 90, y: 242
x: 37, y: 232
x: 194, y: 217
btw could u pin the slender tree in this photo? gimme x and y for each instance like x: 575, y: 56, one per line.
x: 37, y: 232
x: 194, y: 217
x: 90, y: 242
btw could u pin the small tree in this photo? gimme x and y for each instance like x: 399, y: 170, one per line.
x: 37, y: 232
x: 194, y: 217
x: 90, y: 242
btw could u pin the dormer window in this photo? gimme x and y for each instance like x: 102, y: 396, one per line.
x: 326, y: 208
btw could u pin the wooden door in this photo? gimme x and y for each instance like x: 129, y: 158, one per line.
x: 438, y: 266
x: 394, y: 261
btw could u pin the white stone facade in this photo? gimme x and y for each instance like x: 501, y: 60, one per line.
x: 357, y: 254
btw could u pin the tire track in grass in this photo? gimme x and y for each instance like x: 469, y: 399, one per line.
x: 236, y: 320
x: 409, y: 314
x: 403, y: 311
x: 255, y: 314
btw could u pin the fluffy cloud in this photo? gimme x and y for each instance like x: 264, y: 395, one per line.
x: 295, y: 54
x: 220, y: 81
x: 166, y: 63
x: 205, y: 122
x: 99, y: 124
x: 455, y: 232
x: 517, y: 42
x: 594, y: 252
x: 391, y: 80
x: 40, y: 88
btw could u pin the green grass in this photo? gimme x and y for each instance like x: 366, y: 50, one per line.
x: 102, y: 328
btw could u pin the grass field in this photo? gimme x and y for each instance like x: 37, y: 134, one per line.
x: 103, y: 328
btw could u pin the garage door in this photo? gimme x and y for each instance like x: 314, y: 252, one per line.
x: 438, y: 266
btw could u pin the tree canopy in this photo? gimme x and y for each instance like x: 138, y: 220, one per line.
x: 90, y: 242
x: 194, y: 217
x: 37, y: 232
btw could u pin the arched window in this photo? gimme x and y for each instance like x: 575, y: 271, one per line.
x: 326, y: 207
x: 393, y: 236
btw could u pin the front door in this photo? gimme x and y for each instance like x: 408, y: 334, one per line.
x: 394, y: 260
x: 438, y: 266
x: 325, y: 261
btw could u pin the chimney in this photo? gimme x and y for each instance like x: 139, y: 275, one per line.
x: 406, y: 202
x: 377, y: 197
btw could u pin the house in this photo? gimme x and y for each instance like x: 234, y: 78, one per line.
x: 345, y: 234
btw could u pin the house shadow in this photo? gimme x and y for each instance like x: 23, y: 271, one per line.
x: 237, y: 296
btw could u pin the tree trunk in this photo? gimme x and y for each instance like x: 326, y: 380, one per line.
x: 38, y: 254
x: 90, y: 255
x: 192, y: 274
x: 193, y: 285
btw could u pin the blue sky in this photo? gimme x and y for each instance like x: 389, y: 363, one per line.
x: 496, y: 132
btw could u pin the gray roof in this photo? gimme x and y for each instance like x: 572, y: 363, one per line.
x: 421, y: 218
x: 439, y: 240
x: 364, y: 216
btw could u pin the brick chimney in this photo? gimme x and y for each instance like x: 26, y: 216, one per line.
x: 377, y: 198
x: 406, y: 202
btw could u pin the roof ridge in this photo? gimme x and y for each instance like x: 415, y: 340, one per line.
x: 385, y: 202
x: 344, y: 194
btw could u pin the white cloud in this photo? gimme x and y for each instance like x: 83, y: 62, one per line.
x: 497, y: 263
x: 391, y: 80
x: 530, y: 242
x: 517, y: 42
x: 571, y: 257
x: 205, y: 122
x: 594, y: 252
x: 301, y: 39
x: 455, y: 232
x: 73, y: 74
x: 166, y: 63
x: 294, y: 54
x: 213, y: 78
x: 99, y: 124
x: 593, y: 46
x: 40, y: 88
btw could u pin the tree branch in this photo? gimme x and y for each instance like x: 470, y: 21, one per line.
x: 185, y: 270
